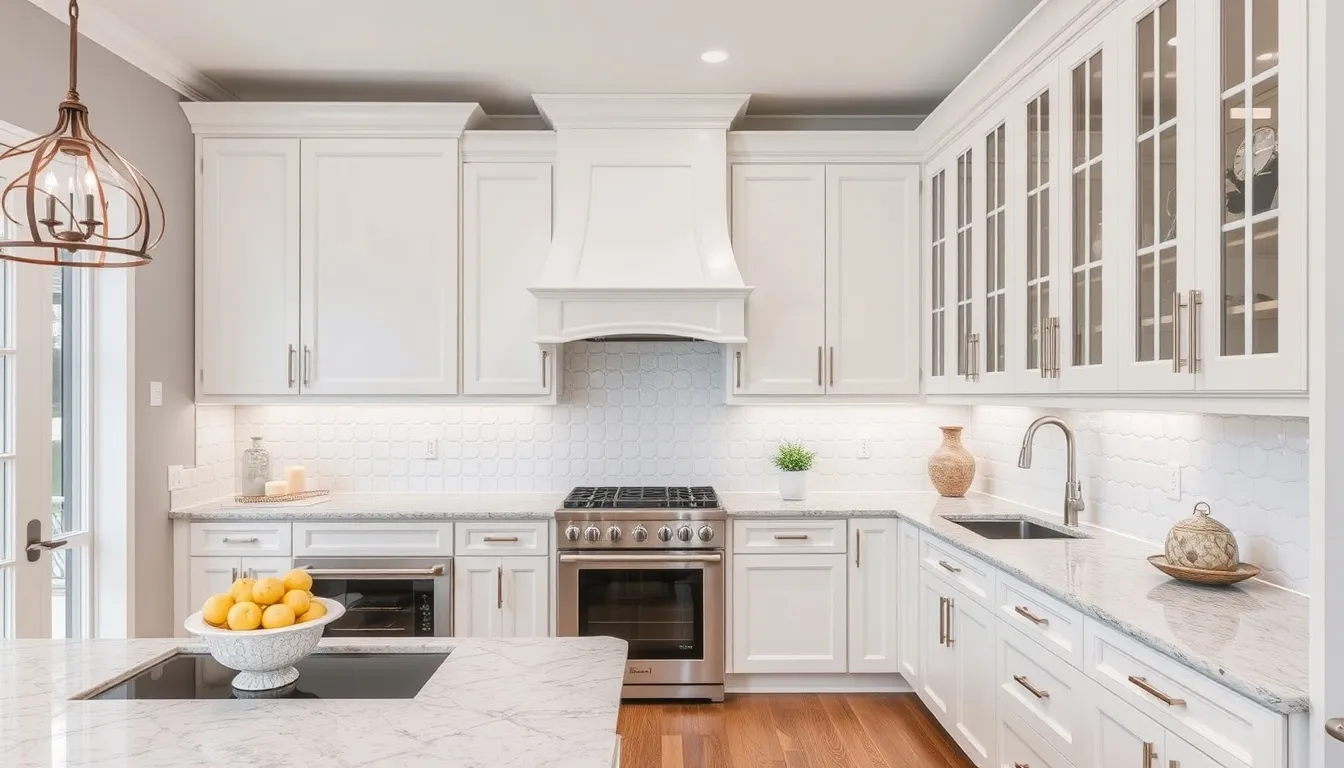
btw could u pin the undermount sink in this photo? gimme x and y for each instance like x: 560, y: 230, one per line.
x: 1013, y: 529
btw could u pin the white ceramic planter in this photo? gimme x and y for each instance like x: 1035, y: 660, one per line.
x: 793, y: 485
x: 264, y: 658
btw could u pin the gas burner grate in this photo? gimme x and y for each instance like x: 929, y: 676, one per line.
x: 642, y: 497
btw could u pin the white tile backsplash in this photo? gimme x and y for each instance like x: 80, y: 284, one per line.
x: 1251, y: 471
x: 655, y: 413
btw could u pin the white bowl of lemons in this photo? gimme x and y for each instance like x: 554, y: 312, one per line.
x: 263, y: 627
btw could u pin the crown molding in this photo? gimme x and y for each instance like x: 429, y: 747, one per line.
x: 319, y: 118
x: 638, y: 111
x: 103, y: 27
x: 508, y: 147
x: 823, y: 147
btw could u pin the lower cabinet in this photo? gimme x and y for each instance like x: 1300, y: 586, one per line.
x: 501, y: 596
x: 1124, y: 737
x: 874, y: 645
x: 789, y: 613
x: 1019, y: 745
x: 957, y: 660
x: 213, y: 575
x: 937, y: 660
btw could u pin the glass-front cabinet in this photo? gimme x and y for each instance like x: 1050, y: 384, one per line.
x: 936, y: 371
x: 1033, y: 330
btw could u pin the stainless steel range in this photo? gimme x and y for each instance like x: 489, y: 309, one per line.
x: 645, y: 564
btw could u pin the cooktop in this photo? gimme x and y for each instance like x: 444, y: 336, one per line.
x: 642, y: 497
x: 321, y: 676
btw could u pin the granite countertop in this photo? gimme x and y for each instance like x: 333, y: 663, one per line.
x: 1251, y: 637
x: 538, y: 703
x: 388, y: 506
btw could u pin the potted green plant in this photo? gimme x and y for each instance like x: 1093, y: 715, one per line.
x: 793, y: 462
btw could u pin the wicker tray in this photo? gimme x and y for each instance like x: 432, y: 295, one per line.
x: 280, y: 499
x: 1201, y: 576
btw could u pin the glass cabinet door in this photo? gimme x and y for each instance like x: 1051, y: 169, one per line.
x: 936, y: 328
x: 1253, y: 293
x: 968, y: 359
x: 1039, y: 324
x: 995, y: 290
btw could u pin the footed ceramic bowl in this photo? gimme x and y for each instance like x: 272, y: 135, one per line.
x: 264, y: 658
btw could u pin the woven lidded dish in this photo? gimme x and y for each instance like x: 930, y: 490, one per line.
x: 1202, y: 543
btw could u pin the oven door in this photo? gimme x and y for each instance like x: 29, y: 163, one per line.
x: 667, y: 605
x: 385, y: 597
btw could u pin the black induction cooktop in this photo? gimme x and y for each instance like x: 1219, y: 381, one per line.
x: 321, y: 676
x: 642, y: 497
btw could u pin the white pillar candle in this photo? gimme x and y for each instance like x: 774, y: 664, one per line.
x: 296, y: 479
x: 276, y: 488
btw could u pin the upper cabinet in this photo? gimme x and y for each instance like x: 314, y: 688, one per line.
x: 830, y: 251
x: 1129, y: 217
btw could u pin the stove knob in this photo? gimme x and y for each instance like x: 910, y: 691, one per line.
x: 614, y: 533
x: 684, y: 533
x: 664, y: 534
x: 572, y: 533
x: 592, y: 533
x: 706, y: 533
x: 640, y: 534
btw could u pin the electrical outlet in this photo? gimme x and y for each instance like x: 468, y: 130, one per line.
x: 175, y: 477
x: 1173, y: 482
x: 431, y: 449
x: 155, y: 394
x: 863, y: 449
x: 424, y: 449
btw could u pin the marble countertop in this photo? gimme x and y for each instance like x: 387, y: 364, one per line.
x: 389, y: 506
x: 1251, y: 637
x: 539, y: 703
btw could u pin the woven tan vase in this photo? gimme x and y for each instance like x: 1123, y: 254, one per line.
x: 1199, y: 541
x: 951, y: 467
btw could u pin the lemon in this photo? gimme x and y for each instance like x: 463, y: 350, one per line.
x: 244, y: 616
x: 298, y: 600
x: 278, y: 615
x: 268, y: 591
x: 316, y: 610
x: 242, y: 590
x: 298, y: 579
x: 215, y: 612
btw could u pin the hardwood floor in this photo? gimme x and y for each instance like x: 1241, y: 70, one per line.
x: 796, y: 730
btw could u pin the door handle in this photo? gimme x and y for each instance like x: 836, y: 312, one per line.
x: 949, y: 621
x: 1149, y: 754
x: 489, y: 539
x: 1196, y: 307
x: 1025, y: 683
x: 738, y: 367
x: 858, y: 547
x: 1026, y: 613
x: 819, y: 366
x: 1054, y: 346
x: 544, y: 355
x: 1177, y: 304
x: 307, y: 366
x: 499, y: 586
x: 240, y: 540
x: 791, y: 536
x: 289, y: 364
x: 37, y: 545
x: 233, y: 574
x: 831, y: 366
x: 1147, y: 687
x: 949, y: 567
x: 1335, y: 727
x: 942, y: 621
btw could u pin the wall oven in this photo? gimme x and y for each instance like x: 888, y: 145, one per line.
x: 654, y: 578
x: 385, y: 597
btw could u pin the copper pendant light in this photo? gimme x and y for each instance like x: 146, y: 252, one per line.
x: 69, y: 199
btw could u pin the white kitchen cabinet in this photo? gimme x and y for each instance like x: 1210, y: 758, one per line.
x: 938, y: 339
x: 506, y: 231
x: 938, y: 661
x: 872, y: 230
x: 874, y: 584
x: 789, y: 613
x: 907, y: 603
x: 779, y: 240
x: 1034, y: 141
x: 501, y: 596
x: 214, y: 575
x: 264, y: 567
x: 1179, y: 754
x: 970, y: 633
x: 1122, y: 737
x: 379, y: 268
x: 247, y: 279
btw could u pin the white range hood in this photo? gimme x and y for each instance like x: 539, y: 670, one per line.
x: 640, y: 244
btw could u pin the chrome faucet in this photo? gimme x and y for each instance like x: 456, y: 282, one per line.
x: 1073, y: 490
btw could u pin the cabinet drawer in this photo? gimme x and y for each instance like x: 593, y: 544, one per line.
x: 373, y: 539
x: 1043, y: 689
x: 1019, y: 745
x: 525, y: 537
x: 1042, y: 618
x: 1211, y: 717
x: 973, y: 577
x: 240, y: 539
x: 790, y: 536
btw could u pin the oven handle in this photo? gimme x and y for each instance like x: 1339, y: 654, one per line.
x: 436, y: 570
x: 637, y: 558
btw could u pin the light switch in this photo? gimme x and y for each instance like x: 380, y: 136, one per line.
x: 175, y: 479
x: 155, y: 393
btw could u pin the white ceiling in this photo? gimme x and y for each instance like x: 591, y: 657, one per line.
x: 801, y: 56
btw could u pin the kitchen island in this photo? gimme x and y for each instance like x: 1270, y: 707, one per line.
x: 531, y: 703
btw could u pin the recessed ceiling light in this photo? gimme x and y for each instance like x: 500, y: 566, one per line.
x: 714, y: 57
x: 1268, y: 56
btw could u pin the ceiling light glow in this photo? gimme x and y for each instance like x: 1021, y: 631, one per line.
x: 1267, y: 56
x: 714, y: 57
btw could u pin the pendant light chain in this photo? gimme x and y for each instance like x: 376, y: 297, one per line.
x: 73, y: 93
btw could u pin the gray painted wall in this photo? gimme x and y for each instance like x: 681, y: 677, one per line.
x: 140, y: 118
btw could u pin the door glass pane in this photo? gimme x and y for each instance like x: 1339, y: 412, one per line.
x: 1080, y: 240
x: 936, y: 282
x: 1079, y: 356
x: 1167, y: 48
x: 1146, y: 74
x: 659, y: 613
x: 1234, y: 292
x: 1167, y: 198
x: 1147, y: 171
x: 1094, y: 315
x: 1094, y: 217
x: 1265, y: 287
x: 1033, y: 142
x: 69, y: 589
x: 1234, y: 42
x: 1045, y: 136
x: 1033, y: 331
x: 1146, y: 288
x: 1234, y: 162
x: 1044, y: 239
x: 965, y: 258
x: 1263, y: 154
x: 1166, y: 288
x: 1079, y: 115
x: 1264, y: 35
x: 1094, y: 101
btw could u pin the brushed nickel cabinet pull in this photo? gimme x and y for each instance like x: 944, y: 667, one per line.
x: 233, y: 574
x: 289, y: 365
x: 1177, y: 304
x: 1149, y: 754
x: 858, y: 547
x: 1173, y: 764
x: 501, y: 538
x: 1042, y: 335
x: 832, y: 366
x: 499, y: 586
x: 1196, y: 307
x: 1147, y: 687
x: 240, y: 539
x: 1025, y: 683
x: 950, y: 603
x: 1054, y: 342
x: 307, y: 366
x: 544, y: 355
x: 1335, y: 727
x: 738, y: 367
x: 949, y: 567
x: 942, y: 621
x: 820, y: 366
x: 1021, y: 765
x: 791, y: 536
x: 1026, y: 613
